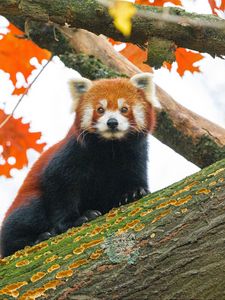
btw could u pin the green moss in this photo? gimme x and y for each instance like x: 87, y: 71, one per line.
x: 187, y: 193
x: 203, y: 152
x: 88, y: 66
x: 44, y: 34
x: 159, y: 51
x: 49, y: 37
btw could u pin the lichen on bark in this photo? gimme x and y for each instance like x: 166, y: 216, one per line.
x: 144, y: 234
x: 88, y: 66
x: 203, y: 151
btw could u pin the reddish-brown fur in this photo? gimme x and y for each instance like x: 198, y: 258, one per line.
x: 30, y: 188
x: 110, y: 90
x: 113, y: 90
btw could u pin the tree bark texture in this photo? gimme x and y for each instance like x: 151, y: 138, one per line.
x: 90, y: 15
x: 168, y: 245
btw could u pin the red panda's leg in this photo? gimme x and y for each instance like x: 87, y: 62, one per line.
x: 134, y: 195
x: 22, y: 227
x: 44, y: 236
x: 69, y: 222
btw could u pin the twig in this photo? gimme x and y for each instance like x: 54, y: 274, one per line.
x: 25, y: 93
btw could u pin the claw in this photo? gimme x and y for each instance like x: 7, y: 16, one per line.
x: 80, y: 221
x: 143, y: 192
x: 92, y: 214
x: 42, y: 237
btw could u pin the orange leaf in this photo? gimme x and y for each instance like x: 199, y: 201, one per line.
x: 214, y: 6
x: 15, y: 139
x: 15, y: 55
x: 158, y: 2
x: 135, y: 54
x: 167, y: 65
x: 185, y: 60
x: 113, y: 42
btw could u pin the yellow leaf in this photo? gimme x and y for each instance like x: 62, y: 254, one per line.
x: 122, y: 12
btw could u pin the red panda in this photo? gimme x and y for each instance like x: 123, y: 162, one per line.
x: 100, y: 164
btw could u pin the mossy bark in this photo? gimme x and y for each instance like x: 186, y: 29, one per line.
x: 90, y: 15
x: 202, y: 149
x: 168, y: 245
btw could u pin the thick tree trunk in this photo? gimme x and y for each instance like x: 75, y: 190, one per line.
x: 168, y: 245
x: 204, y: 33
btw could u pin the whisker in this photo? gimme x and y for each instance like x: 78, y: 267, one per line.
x: 83, y: 134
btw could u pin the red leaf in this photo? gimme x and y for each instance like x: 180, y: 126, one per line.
x: 185, y: 60
x: 214, y: 6
x: 158, y: 2
x: 15, y: 139
x: 15, y: 55
x: 167, y: 65
x: 135, y: 54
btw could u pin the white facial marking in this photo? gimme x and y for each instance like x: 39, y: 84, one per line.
x: 87, y: 117
x: 104, y: 103
x: 139, y: 115
x: 120, y: 102
x: 103, y: 129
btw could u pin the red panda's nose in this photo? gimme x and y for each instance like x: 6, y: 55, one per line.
x: 112, y: 123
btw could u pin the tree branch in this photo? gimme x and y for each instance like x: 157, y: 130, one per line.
x: 90, y: 15
x: 189, y: 134
x: 168, y: 245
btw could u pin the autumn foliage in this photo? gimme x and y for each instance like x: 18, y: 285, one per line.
x: 217, y: 6
x: 15, y: 139
x: 185, y: 61
x: 16, y: 51
x: 158, y: 2
x: 15, y: 54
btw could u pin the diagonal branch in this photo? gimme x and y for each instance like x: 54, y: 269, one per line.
x: 189, y: 134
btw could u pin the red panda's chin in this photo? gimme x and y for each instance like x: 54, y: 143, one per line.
x: 112, y: 135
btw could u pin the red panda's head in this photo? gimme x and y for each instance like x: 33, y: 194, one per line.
x: 112, y: 108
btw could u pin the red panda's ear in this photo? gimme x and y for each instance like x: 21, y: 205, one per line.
x: 78, y: 87
x: 144, y: 82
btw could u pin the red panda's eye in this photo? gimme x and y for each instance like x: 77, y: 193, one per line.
x: 124, y: 110
x: 100, y: 110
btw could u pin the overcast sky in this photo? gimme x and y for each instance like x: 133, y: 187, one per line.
x: 47, y: 107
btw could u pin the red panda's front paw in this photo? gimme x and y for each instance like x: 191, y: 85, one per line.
x: 43, y: 236
x: 135, y: 195
x: 92, y: 214
x: 88, y: 215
